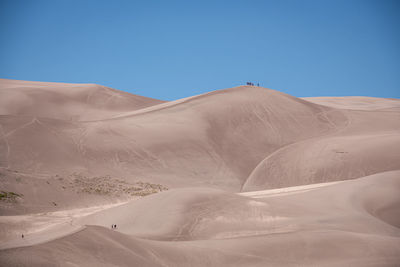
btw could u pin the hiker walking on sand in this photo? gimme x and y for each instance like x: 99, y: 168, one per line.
x: 22, y: 236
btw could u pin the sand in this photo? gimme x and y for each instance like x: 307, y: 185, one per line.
x: 256, y: 177
x: 357, y: 102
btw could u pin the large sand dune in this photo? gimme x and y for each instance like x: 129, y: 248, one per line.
x: 73, y: 154
x: 197, y: 141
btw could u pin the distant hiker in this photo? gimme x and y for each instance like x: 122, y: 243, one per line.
x: 22, y: 236
x: 115, y: 226
x: 112, y: 226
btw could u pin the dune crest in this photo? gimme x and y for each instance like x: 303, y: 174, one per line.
x: 71, y: 102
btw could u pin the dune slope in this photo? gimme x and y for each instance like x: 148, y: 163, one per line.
x: 356, y: 102
x: 74, y: 102
x: 368, y: 144
x: 357, y: 227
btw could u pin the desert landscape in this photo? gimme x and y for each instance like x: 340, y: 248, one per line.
x: 244, y: 176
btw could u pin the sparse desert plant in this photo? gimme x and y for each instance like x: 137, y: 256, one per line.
x: 107, y: 185
x: 9, y: 196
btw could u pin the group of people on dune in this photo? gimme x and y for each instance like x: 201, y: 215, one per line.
x: 252, y: 84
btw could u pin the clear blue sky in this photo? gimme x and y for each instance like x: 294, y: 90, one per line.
x: 173, y: 49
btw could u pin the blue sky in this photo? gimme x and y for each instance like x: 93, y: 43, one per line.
x: 174, y: 49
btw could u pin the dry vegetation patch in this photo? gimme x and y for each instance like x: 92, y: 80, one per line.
x: 9, y: 196
x: 110, y: 186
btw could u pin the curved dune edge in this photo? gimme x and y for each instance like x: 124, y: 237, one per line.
x: 366, y: 145
x: 216, y: 227
x: 327, y: 159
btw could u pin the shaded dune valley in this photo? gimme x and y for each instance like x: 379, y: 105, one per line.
x: 244, y: 176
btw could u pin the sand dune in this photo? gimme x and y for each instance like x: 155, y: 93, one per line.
x: 200, y: 213
x: 356, y: 102
x: 199, y: 141
x: 327, y: 159
x: 226, y: 229
x: 74, y: 102
x: 368, y: 144
x: 256, y: 177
